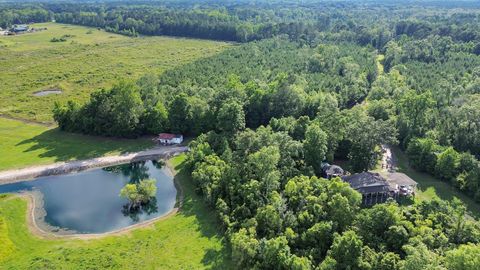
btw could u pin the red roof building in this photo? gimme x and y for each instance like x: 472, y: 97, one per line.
x: 169, y: 138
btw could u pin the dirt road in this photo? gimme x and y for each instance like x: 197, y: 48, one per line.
x: 389, y: 162
x: 30, y: 173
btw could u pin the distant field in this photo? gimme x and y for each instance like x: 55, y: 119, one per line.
x: 23, y: 145
x: 88, y: 60
x: 187, y: 240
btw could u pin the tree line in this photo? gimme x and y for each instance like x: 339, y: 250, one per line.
x: 232, y: 102
x: 367, y: 24
x: 322, y: 80
x: 23, y: 15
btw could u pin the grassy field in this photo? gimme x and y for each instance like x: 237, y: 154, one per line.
x: 88, y: 60
x: 187, y: 240
x: 430, y: 187
x: 23, y: 144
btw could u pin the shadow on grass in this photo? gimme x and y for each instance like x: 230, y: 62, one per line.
x: 431, y: 188
x: 193, y: 205
x: 64, y: 146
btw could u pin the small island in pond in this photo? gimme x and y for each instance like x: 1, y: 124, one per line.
x: 140, y: 193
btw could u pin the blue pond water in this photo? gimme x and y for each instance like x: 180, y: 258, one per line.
x: 89, y: 201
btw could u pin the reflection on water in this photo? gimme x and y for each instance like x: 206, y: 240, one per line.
x: 135, y: 212
x: 135, y: 171
x: 89, y: 202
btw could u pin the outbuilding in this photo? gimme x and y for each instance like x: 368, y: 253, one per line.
x: 332, y: 171
x: 20, y: 28
x: 402, y: 184
x: 169, y: 138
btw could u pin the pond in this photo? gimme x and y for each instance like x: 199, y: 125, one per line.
x: 47, y: 92
x: 89, y: 201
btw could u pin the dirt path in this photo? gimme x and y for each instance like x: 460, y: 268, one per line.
x: 12, y: 176
x: 389, y: 162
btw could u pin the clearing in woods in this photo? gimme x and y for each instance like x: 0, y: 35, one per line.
x: 89, y: 59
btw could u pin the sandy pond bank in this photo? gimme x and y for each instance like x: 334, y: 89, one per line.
x: 30, y: 173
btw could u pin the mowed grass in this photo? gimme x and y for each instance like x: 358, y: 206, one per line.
x: 23, y: 144
x: 429, y: 187
x: 89, y: 60
x: 187, y: 240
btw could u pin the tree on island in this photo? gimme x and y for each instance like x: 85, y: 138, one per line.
x: 139, y: 193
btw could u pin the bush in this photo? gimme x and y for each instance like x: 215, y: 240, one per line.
x: 61, y: 39
x: 447, y: 164
x: 422, y: 154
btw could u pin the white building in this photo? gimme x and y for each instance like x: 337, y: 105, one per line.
x: 168, y: 138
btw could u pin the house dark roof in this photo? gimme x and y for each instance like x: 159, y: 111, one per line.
x: 367, y: 182
x: 334, y: 170
x: 20, y: 28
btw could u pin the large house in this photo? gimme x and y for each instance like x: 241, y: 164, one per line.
x: 20, y: 28
x: 377, y: 189
x: 169, y: 138
x: 373, y: 187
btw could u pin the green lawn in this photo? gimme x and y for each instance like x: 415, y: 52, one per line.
x: 430, y: 187
x: 89, y: 60
x: 187, y: 240
x: 23, y: 144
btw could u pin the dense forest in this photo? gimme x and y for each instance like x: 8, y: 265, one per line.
x: 23, y: 14
x: 316, y: 82
x: 278, y: 215
x: 372, y: 23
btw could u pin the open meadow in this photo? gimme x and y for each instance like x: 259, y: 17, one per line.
x: 23, y: 144
x: 186, y: 240
x: 87, y: 60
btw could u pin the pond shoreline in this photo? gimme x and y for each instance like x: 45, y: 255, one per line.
x: 31, y: 173
x: 38, y: 227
